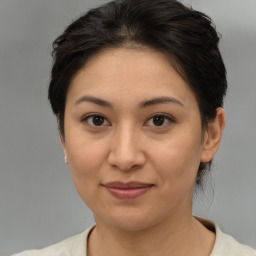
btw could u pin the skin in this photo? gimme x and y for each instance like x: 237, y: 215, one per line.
x: 129, y: 145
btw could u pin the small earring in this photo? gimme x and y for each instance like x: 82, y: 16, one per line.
x: 65, y: 159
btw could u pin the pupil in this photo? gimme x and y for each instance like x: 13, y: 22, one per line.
x: 158, y: 120
x: 98, y: 120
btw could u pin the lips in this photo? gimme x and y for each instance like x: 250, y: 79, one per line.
x: 127, y: 191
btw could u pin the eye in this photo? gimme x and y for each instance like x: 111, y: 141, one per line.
x: 95, y: 120
x: 159, y: 120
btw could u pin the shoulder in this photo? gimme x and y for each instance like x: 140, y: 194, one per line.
x: 72, y: 246
x: 226, y: 245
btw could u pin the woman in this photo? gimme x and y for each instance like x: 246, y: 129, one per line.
x: 137, y: 88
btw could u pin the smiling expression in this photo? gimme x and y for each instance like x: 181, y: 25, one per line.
x: 133, y: 138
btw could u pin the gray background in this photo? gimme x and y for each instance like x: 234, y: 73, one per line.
x: 38, y: 202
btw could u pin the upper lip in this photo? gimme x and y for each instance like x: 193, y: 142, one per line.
x: 132, y: 184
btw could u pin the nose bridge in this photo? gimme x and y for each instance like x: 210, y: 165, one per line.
x: 125, y: 149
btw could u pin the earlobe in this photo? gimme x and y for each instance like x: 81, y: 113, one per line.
x: 212, y: 136
x: 63, y: 146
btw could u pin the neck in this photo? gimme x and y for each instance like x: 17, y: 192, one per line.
x: 180, y: 236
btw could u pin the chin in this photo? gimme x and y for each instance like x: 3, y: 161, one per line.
x: 129, y: 220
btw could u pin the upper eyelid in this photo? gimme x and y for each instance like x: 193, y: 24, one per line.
x: 87, y: 116
x: 92, y: 114
x: 168, y: 116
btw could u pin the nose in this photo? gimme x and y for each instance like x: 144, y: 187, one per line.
x: 126, y: 150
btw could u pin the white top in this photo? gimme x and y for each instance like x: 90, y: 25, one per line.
x: 224, y: 245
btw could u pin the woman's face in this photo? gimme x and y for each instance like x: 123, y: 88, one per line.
x: 133, y: 138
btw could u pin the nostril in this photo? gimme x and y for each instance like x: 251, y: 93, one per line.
x: 126, y: 162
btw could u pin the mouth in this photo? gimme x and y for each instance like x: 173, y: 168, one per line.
x: 127, y: 191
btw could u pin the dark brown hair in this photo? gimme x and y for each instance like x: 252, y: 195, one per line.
x: 186, y: 35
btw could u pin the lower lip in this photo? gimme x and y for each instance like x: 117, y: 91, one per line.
x: 127, y: 193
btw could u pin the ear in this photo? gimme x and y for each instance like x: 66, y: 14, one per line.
x: 212, y: 136
x: 63, y: 146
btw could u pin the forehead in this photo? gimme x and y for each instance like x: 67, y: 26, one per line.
x: 129, y: 73
x: 129, y: 62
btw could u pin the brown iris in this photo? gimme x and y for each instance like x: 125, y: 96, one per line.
x: 158, y: 120
x: 98, y: 120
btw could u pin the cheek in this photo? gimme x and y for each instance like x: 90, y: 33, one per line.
x: 85, y: 155
x: 86, y: 159
x: 178, y: 159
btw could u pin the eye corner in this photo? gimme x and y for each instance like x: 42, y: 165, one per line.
x: 161, y: 120
x: 95, y: 121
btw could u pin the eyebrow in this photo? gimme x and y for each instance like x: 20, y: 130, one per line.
x: 160, y: 100
x: 93, y: 100
x: 146, y: 103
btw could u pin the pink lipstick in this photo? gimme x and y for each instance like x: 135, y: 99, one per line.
x: 127, y: 191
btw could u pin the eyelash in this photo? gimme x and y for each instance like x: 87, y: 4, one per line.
x: 166, y: 118
x: 87, y: 118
